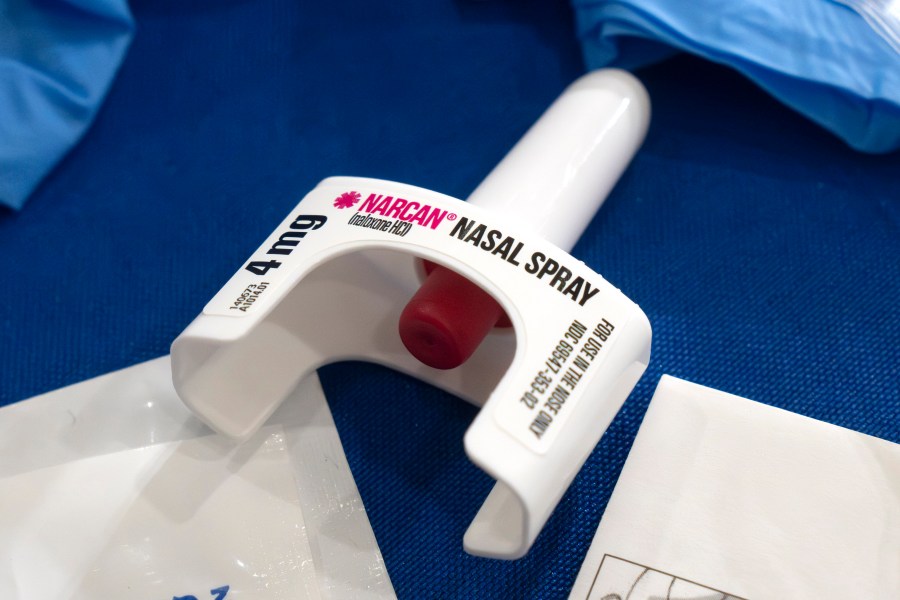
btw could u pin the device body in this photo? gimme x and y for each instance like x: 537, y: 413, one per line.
x: 329, y: 285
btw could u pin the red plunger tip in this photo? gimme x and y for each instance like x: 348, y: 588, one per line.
x: 447, y: 319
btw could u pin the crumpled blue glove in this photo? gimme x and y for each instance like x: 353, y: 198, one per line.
x: 57, y: 60
x: 817, y: 56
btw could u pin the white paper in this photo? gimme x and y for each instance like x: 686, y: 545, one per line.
x: 747, y: 501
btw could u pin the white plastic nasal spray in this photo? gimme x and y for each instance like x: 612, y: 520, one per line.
x: 505, y: 319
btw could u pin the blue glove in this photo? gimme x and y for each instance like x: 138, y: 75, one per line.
x: 57, y: 60
x: 817, y: 56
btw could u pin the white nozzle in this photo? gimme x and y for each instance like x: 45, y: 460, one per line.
x: 563, y: 168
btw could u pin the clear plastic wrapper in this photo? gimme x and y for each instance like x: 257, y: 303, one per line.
x: 111, y: 489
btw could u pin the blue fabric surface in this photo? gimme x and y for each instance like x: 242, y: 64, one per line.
x: 764, y: 250
x: 57, y: 59
x: 817, y: 56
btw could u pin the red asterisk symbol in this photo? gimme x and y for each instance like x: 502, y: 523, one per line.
x: 347, y: 199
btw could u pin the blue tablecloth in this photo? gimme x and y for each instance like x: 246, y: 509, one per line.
x: 764, y: 251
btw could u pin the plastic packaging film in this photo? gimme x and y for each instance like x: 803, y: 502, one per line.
x: 111, y: 489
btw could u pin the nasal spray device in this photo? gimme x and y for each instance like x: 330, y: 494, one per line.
x: 342, y: 279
